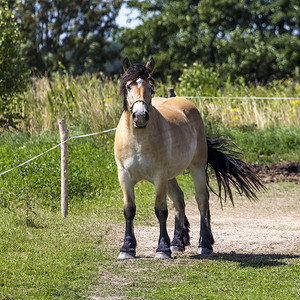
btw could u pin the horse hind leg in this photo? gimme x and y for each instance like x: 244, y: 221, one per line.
x: 198, y: 173
x: 181, y: 231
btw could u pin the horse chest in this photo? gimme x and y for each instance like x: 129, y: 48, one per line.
x: 138, y: 166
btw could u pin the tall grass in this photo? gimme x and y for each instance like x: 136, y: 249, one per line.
x: 90, y: 103
x: 259, y: 113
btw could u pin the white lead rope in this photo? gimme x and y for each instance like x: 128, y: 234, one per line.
x: 71, y: 138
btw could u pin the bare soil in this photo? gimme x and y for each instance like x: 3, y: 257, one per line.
x: 269, y: 226
x: 278, y: 171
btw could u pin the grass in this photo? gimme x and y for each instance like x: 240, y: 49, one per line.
x: 220, y: 277
x: 75, y: 257
x: 91, y: 104
x: 93, y: 172
x: 46, y: 257
x: 54, y: 259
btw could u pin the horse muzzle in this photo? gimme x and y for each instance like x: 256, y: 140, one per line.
x: 139, y: 113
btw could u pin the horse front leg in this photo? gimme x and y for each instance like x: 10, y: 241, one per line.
x: 163, y: 250
x: 128, y: 249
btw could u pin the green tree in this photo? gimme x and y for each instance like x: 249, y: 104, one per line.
x: 255, y: 39
x: 76, y: 34
x: 14, y: 74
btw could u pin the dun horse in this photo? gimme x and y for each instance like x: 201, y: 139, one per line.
x: 156, y: 140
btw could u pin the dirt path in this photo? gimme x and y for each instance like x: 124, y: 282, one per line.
x: 269, y: 226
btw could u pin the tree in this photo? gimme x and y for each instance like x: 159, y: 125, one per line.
x: 14, y: 74
x: 76, y: 34
x: 255, y: 39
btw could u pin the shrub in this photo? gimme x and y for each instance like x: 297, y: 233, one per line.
x: 13, y: 72
x: 199, y: 79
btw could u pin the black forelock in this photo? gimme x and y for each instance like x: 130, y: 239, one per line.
x: 134, y: 72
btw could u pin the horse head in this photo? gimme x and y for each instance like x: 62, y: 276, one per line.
x: 137, y: 88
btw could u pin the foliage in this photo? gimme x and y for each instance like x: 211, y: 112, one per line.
x: 253, y: 39
x: 92, y: 169
x: 231, y: 109
x: 91, y: 104
x: 88, y: 103
x: 272, y: 144
x: 199, y: 78
x: 13, y: 72
x: 70, y: 32
x: 90, y: 165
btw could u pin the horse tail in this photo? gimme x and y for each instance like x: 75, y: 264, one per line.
x: 231, y: 169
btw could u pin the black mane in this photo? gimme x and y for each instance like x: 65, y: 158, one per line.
x: 134, y: 72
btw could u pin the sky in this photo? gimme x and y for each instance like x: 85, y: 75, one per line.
x: 125, y: 14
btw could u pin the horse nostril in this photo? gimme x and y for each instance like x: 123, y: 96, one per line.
x: 146, y: 116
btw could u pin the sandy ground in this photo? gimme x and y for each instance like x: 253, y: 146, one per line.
x: 269, y: 226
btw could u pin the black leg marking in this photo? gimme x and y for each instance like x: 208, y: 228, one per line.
x: 129, y: 240
x: 206, y: 238
x: 164, y: 240
x: 181, y: 233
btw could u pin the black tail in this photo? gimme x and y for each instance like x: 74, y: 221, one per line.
x: 231, y: 169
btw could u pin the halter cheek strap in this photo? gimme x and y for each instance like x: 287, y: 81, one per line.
x: 140, y: 100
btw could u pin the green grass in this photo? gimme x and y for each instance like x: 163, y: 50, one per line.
x: 92, y: 169
x: 76, y: 257
x: 219, y: 277
x: 46, y: 257
x: 53, y: 259
x: 272, y: 144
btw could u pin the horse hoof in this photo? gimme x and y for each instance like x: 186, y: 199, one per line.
x: 204, y: 251
x: 162, y: 255
x: 176, y: 249
x: 126, y: 255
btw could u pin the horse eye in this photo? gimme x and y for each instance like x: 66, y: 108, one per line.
x: 129, y: 86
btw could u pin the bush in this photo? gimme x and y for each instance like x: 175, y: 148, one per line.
x: 199, y: 79
x: 14, y: 75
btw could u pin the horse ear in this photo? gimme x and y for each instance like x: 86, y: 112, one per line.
x: 126, y: 64
x: 150, y: 65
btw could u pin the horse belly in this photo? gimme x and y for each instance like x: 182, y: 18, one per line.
x: 180, y: 160
x: 180, y: 152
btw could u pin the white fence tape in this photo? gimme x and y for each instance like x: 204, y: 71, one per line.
x: 250, y: 98
x: 71, y: 138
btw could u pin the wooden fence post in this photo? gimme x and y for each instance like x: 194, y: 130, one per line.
x: 171, y: 92
x: 64, y: 167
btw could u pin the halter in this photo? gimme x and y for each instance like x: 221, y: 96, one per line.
x: 140, y: 100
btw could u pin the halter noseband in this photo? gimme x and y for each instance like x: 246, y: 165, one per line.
x: 139, y: 100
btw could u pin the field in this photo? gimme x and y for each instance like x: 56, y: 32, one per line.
x: 257, y: 250
x: 256, y: 254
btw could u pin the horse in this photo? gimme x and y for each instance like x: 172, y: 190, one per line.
x: 158, y: 139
